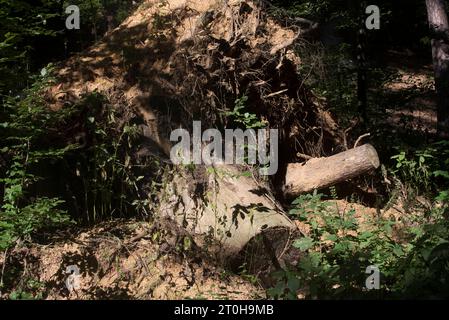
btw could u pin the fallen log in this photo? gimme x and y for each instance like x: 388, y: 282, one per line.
x: 320, y: 173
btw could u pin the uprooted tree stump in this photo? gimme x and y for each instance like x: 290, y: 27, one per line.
x: 320, y: 173
x: 176, y: 61
x: 226, y: 205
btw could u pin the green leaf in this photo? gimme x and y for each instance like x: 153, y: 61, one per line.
x: 443, y: 196
x: 440, y: 173
x: 304, y: 243
x: 331, y: 237
x: 398, y: 251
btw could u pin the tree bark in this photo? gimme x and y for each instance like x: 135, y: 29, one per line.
x: 362, y: 87
x: 439, y: 25
x: 320, y: 173
x: 225, y: 205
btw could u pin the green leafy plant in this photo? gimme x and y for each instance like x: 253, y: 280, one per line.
x: 241, y: 117
x: 29, y: 289
x: 338, y: 247
x: 23, y: 135
x: 414, y: 169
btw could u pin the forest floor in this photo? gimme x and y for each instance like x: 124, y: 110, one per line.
x: 119, y: 260
x: 128, y: 260
x: 412, y: 87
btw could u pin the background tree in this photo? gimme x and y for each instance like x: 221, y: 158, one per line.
x: 439, y: 25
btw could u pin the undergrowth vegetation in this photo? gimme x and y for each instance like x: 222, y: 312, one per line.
x: 412, y: 256
x: 65, y: 166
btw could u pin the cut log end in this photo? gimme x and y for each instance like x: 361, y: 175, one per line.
x: 371, y: 154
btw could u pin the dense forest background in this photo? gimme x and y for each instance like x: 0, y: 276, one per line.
x: 376, y: 81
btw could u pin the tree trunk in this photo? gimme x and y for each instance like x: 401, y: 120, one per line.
x: 320, y: 173
x: 439, y: 25
x: 362, y: 97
